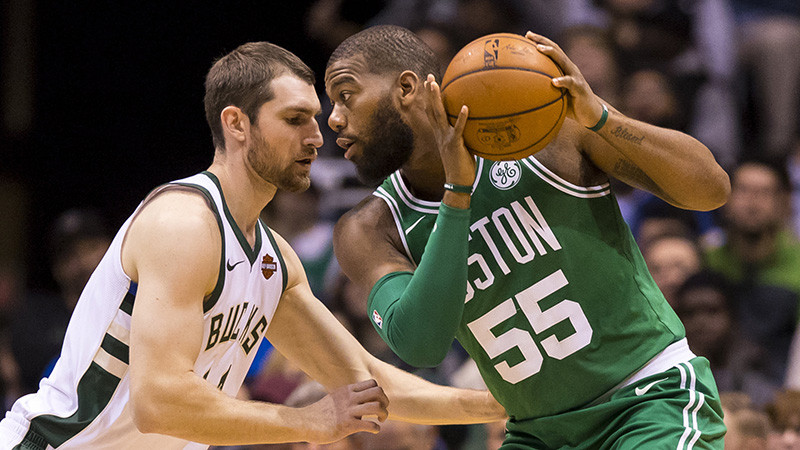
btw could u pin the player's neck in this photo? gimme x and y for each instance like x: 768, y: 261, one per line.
x: 424, y: 175
x: 245, y: 194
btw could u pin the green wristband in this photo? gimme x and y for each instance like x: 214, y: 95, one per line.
x: 602, y: 120
x: 458, y: 188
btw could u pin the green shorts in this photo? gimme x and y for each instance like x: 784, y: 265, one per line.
x: 677, y: 409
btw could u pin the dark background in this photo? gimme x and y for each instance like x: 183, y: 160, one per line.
x: 118, y: 100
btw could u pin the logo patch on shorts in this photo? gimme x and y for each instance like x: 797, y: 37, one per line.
x: 377, y: 318
x: 505, y: 174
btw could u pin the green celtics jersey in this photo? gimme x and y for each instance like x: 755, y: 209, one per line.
x: 560, y: 307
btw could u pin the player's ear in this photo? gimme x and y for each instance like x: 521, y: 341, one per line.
x: 410, y: 85
x: 235, y: 124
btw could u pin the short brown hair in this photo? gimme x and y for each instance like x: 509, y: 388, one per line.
x: 242, y: 78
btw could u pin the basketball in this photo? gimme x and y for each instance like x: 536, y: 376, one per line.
x: 514, y: 109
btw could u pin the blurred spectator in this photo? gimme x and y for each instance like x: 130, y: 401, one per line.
x: 767, y: 317
x: 655, y: 217
x: 348, y: 303
x: 693, y: 43
x: 649, y: 96
x: 396, y: 435
x: 441, y: 39
x: 671, y: 259
x: 759, y: 247
x: 704, y: 304
x: 590, y: 48
x: 78, y: 240
x: 329, y: 22
x: 793, y: 169
x: 748, y: 427
x: 784, y: 415
x: 769, y: 41
x: 296, y: 217
x: 276, y: 381
x: 793, y: 365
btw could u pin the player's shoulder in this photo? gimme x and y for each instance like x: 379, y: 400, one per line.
x: 564, y: 156
x: 177, y: 212
x: 371, y: 213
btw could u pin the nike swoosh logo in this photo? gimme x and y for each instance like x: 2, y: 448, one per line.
x: 643, y: 390
x: 408, y: 230
x: 230, y: 267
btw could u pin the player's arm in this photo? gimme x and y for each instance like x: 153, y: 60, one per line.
x: 670, y: 164
x: 417, y: 312
x: 172, y: 250
x: 310, y: 336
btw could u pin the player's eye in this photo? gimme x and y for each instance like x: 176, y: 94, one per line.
x: 296, y: 120
x: 345, y: 95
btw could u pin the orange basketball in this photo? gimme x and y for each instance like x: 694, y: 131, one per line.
x: 514, y: 109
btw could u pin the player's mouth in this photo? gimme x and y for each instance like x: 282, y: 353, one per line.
x: 346, y: 144
x: 308, y: 160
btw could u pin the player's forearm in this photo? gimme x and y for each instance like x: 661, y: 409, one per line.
x: 194, y: 410
x: 412, y: 399
x: 418, y: 315
x: 671, y: 164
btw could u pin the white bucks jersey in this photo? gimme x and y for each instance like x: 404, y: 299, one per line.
x: 85, y: 401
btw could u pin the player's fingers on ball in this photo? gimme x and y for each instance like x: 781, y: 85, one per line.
x: 565, y: 82
x: 541, y: 40
x: 461, y: 122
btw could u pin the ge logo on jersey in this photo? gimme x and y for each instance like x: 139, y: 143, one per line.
x: 505, y: 174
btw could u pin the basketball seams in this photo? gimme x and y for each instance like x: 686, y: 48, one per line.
x: 555, y: 127
x: 492, y: 69
x: 493, y: 82
x: 518, y: 113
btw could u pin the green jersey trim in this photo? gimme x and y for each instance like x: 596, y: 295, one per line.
x: 396, y: 214
x: 213, y: 298
x: 563, y: 185
x: 412, y: 202
x: 251, y: 252
x: 425, y: 206
x: 95, y: 388
x: 278, y: 252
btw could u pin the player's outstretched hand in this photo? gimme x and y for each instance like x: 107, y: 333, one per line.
x: 585, y: 107
x: 459, y: 164
x: 347, y: 410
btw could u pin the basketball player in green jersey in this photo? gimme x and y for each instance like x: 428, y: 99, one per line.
x: 527, y: 263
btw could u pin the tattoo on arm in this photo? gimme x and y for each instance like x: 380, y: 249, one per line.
x: 632, y: 174
x: 624, y: 134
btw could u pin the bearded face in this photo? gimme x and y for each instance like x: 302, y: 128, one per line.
x: 387, y: 144
x: 284, y: 174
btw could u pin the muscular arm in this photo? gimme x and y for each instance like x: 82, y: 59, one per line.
x: 420, y: 313
x: 307, y: 333
x: 670, y: 164
x: 174, y: 274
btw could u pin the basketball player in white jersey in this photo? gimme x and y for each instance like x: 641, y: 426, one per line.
x: 168, y: 324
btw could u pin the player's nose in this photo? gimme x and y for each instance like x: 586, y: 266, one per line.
x: 337, y: 120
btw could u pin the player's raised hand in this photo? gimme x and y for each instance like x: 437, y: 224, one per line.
x: 584, y: 106
x: 347, y: 410
x: 459, y: 164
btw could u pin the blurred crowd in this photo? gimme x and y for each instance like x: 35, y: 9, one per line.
x: 725, y: 71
